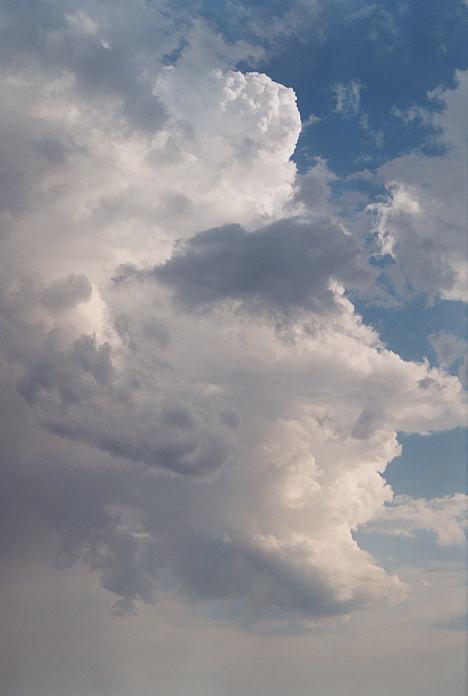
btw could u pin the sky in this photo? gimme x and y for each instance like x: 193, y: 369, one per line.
x: 233, y: 347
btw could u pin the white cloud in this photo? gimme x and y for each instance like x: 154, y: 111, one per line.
x: 445, y: 517
x: 240, y: 132
x: 422, y: 223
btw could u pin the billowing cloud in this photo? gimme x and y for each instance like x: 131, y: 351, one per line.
x: 219, y: 420
x: 235, y: 134
x: 286, y: 427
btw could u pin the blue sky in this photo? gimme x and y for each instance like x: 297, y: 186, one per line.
x: 397, y: 51
x: 233, y: 347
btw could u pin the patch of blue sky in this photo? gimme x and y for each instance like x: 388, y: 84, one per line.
x: 430, y: 466
x: 397, y: 52
x: 419, y: 550
x: 239, y: 20
x: 406, y: 328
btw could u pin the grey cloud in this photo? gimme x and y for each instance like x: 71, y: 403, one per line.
x: 60, y: 486
x: 455, y: 623
x: 171, y: 450
x: 11, y: 185
x: 313, y: 189
x: 451, y: 352
x: 91, y: 41
x: 269, y: 585
x: 79, y: 397
x: 67, y: 376
x: 52, y: 150
x: 52, y: 495
x: 66, y: 293
x: 370, y: 418
x: 58, y: 502
x: 284, y: 267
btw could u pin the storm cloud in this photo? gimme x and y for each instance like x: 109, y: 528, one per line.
x: 287, y: 266
x: 192, y: 405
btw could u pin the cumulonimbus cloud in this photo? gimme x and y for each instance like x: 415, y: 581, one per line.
x: 234, y: 450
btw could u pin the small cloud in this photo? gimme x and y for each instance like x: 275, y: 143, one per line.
x: 348, y: 105
x: 448, y: 348
x: 414, y: 115
x: 348, y: 97
x: 445, y: 517
x: 310, y: 121
x: 379, y: 138
x: 451, y: 353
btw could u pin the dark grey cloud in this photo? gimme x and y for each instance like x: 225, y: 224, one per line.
x: 45, y: 487
x: 284, y: 267
x: 79, y: 396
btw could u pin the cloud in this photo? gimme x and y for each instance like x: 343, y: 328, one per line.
x: 243, y: 127
x: 223, y: 453
x: 380, y: 23
x: 445, y: 517
x: 448, y: 347
x: 451, y: 351
x: 90, y: 43
x: 287, y: 266
x: 67, y: 293
x: 278, y: 579
x: 285, y: 469
x: 348, y: 105
x: 348, y: 97
x: 422, y: 221
x: 79, y: 396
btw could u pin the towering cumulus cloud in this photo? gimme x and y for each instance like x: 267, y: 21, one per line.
x: 189, y: 396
